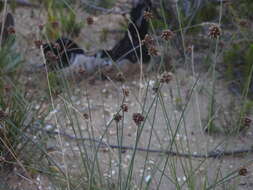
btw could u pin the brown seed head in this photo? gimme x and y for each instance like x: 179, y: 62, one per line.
x: 189, y: 49
x: 81, y: 71
x: 11, y: 30
x: 243, y: 172
x: 214, y: 31
x: 247, y: 122
x: 124, y: 108
x: 86, y: 116
x: 38, y: 43
x: 90, y: 20
x: 153, y: 51
x: 120, y: 77
x: 117, y: 117
x: 148, y: 40
x: 147, y: 15
x: 167, y: 35
x: 125, y: 92
x: 155, y: 89
x: 138, y: 118
x: 51, y: 56
x: 57, y: 46
x: 166, y: 77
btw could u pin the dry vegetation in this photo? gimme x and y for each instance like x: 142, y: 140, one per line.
x: 183, y: 121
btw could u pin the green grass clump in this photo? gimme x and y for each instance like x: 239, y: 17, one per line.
x: 238, y: 62
x: 243, y: 8
x: 62, y: 22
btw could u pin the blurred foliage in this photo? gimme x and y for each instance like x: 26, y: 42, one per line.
x: 62, y: 22
x: 102, y: 3
x: 207, y: 13
x: 12, y: 104
x: 238, y: 61
x: 244, y: 8
x: 55, y: 83
x: 106, y: 3
x: 10, y: 60
x: 17, y: 115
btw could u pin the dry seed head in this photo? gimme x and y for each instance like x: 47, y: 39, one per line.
x: 51, y: 56
x: 11, y: 30
x: 86, y: 116
x: 147, y: 15
x: 167, y: 35
x: 243, y: 172
x: 125, y: 92
x: 117, y: 117
x: 214, y: 31
x: 81, y: 71
x: 38, y: 43
x: 90, y: 20
x: 124, y: 108
x: 148, y: 40
x: 138, y: 118
x: 120, y: 77
x: 166, y: 77
x: 56, y: 46
x: 247, y: 122
x: 153, y: 51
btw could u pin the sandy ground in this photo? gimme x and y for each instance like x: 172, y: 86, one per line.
x: 104, y: 98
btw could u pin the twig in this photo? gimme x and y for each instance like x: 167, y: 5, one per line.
x: 211, y: 154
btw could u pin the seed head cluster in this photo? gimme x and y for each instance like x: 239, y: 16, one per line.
x: 38, y: 43
x: 138, y: 118
x: 147, y: 15
x: 90, y: 20
x: 120, y: 77
x: 153, y: 51
x: 148, y: 40
x: 125, y: 92
x: 51, y: 56
x: 243, y: 172
x: 214, y: 31
x: 167, y: 35
x: 166, y: 77
x: 247, y: 122
x: 11, y: 30
x: 117, y: 117
x: 124, y: 108
x: 86, y: 116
